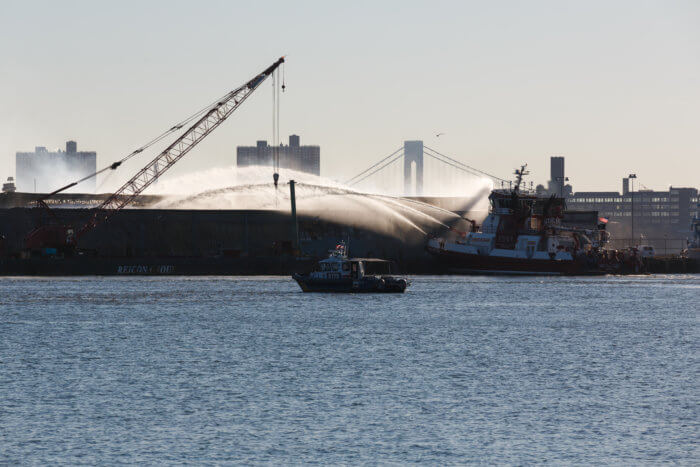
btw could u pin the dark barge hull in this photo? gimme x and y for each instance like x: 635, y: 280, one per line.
x: 198, y: 242
x: 460, y: 263
x: 173, y: 266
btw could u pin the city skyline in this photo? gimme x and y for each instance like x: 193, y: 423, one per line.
x: 611, y: 87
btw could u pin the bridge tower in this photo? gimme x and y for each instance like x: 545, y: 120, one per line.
x: 413, y: 152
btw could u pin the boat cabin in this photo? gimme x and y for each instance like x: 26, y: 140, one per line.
x: 340, y: 267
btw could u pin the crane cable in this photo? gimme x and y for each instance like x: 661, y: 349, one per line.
x: 275, y: 128
x: 116, y: 164
x: 276, y: 125
x: 284, y: 86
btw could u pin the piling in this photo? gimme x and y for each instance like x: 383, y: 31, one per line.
x: 295, y: 223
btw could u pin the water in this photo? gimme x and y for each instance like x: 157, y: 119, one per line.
x: 250, y: 370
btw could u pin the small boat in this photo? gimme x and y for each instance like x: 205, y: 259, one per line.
x: 338, y: 273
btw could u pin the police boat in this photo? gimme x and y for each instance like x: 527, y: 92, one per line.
x: 338, y: 273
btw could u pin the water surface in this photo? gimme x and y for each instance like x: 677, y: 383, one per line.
x: 251, y: 370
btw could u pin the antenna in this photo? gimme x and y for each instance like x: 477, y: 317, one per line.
x: 520, y: 174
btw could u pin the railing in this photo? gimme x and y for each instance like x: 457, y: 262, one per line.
x: 662, y: 246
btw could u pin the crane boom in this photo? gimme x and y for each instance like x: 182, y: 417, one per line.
x: 176, y: 151
x: 154, y: 169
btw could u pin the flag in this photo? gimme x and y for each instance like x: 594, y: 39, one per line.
x: 603, y: 220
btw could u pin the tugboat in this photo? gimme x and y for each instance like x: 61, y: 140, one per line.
x: 338, y: 273
x: 523, y: 234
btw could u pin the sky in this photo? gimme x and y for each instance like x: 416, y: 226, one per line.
x: 613, y: 86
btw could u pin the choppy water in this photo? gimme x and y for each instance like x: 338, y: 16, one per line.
x: 250, y: 370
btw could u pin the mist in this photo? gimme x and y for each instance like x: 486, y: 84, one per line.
x: 47, y: 178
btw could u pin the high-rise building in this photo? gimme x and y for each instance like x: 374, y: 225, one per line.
x: 43, y: 171
x: 294, y: 156
x: 556, y: 167
x: 557, y: 178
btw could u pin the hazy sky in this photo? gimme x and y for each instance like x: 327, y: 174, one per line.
x: 614, y: 86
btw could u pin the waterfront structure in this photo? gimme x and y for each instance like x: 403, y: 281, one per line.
x: 661, y: 218
x: 293, y: 156
x: 693, y: 250
x: 654, y: 214
x: 43, y: 171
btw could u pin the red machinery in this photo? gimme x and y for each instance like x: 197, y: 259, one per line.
x: 64, y: 237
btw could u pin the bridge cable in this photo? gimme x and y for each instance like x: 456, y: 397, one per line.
x: 350, y: 181
x: 464, y: 165
x: 460, y: 165
x: 387, y: 164
x: 456, y: 166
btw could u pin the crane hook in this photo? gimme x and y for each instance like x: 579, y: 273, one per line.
x: 283, y: 80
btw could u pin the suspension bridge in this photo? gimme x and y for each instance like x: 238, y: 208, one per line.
x: 415, y: 169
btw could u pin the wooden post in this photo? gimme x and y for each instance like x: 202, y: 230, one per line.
x: 295, y: 222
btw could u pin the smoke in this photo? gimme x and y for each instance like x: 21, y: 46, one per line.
x: 317, y: 197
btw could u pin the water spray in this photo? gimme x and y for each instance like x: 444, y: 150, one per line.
x: 314, y: 197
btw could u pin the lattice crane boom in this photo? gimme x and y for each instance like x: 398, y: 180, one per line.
x: 154, y: 169
x: 173, y: 153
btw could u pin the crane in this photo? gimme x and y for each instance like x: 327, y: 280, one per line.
x: 65, y: 237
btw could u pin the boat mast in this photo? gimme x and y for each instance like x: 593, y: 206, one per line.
x: 520, y: 173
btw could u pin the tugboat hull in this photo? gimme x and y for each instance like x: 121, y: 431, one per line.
x: 463, y: 263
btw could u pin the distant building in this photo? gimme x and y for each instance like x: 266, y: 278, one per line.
x: 294, y: 156
x: 9, y: 186
x: 674, y: 208
x: 557, y: 178
x: 43, y: 171
x: 659, y: 216
x: 656, y: 215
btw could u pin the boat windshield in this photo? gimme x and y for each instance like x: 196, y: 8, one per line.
x: 377, y: 267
